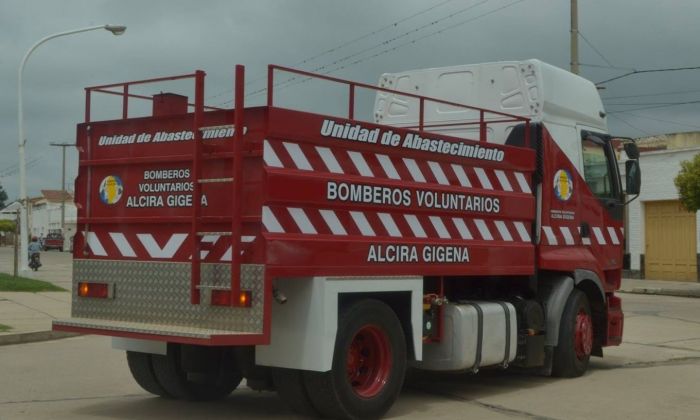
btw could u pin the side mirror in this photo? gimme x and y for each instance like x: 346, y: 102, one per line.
x: 631, y: 150
x: 633, y: 176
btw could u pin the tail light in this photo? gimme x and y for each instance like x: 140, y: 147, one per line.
x: 223, y: 298
x: 95, y: 290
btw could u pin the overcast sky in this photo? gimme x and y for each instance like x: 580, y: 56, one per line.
x: 175, y: 37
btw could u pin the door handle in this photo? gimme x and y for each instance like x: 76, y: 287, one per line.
x: 585, y: 230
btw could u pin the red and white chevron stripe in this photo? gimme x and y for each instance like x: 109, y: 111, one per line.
x: 307, y: 157
x: 145, y: 245
x: 566, y: 236
x: 280, y: 219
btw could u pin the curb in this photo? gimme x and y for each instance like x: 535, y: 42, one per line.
x: 33, y: 337
x: 663, y: 292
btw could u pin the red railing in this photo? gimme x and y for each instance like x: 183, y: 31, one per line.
x: 124, y: 93
x: 484, y: 114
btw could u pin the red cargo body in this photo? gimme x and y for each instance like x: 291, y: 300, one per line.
x: 318, y: 196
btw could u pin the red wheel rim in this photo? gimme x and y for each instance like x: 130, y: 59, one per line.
x: 583, y: 343
x: 368, y: 362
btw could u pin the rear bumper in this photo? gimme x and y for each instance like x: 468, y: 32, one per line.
x: 150, y: 300
x: 160, y: 332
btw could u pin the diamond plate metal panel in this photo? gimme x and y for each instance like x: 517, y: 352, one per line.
x: 159, y: 293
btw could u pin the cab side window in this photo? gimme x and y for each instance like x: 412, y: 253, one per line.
x: 596, y: 169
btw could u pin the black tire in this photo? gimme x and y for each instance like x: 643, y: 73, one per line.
x: 366, y: 328
x: 142, y: 371
x: 175, y: 381
x: 291, y: 389
x: 572, y: 354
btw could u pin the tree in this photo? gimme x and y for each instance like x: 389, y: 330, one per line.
x: 7, y: 226
x: 688, y: 183
x: 3, y: 197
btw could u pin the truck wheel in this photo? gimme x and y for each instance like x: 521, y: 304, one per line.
x: 369, y: 364
x: 291, y: 389
x: 176, y: 382
x: 142, y: 371
x: 571, y: 356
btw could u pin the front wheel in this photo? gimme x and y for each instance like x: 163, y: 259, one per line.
x: 369, y: 364
x: 573, y: 352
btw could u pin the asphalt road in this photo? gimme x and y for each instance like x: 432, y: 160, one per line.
x: 653, y: 375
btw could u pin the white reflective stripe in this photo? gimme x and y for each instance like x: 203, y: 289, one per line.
x: 568, y: 237
x: 270, y: 221
x: 333, y: 223
x: 415, y: 226
x: 389, y: 224
x: 229, y: 251
x: 360, y: 163
x: 483, y: 229
x: 270, y: 157
x: 211, y: 239
x: 438, y: 173
x: 297, y: 156
x: 622, y: 232
x: 329, y: 160
x: 155, y: 251
x: 461, y: 176
x: 549, y: 233
x: 462, y: 228
x: 440, y: 227
x: 95, y: 245
x: 503, y: 179
x: 122, y: 244
x: 413, y: 168
x: 388, y: 166
x: 585, y: 241
x: 302, y: 221
x: 483, y: 179
x: 599, y: 236
x: 613, y: 236
x: 524, y: 186
x: 503, y: 230
x: 362, y: 223
x: 522, y: 231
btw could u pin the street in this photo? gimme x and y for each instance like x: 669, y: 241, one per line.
x: 653, y: 375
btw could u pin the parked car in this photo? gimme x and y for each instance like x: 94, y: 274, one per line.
x: 54, y: 240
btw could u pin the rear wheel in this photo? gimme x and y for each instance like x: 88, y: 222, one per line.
x: 214, y: 385
x: 369, y: 363
x: 573, y: 351
x: 142, y: 371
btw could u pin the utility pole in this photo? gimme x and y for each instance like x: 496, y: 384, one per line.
x: 63, y: 182
x: 574, y: 36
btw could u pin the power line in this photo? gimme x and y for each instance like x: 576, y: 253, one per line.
x: 350, y: 42
x: 595, y: 49
x: 663, y: 120
x: 646, y: 103
x: 355, y: 54
x: 655, y: 107
x: 648, y: 71
x: 606, y: 67
x: 389, y: 50
x: 652, y: 94
x: 630, y: 125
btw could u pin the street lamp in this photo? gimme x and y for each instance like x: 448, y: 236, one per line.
x: 114, y: 29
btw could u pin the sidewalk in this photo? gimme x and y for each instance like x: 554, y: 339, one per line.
x: 661, y: 287
x: 29, y: 315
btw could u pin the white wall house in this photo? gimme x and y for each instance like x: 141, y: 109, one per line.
x: 662, y: 237
x: 45, y: 214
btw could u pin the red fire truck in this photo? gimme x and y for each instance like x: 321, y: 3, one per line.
x: 475, y: 221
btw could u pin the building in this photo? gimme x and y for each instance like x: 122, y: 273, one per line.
x: 662, y: 238
x: 45, y: 214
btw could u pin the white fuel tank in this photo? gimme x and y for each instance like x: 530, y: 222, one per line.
x: 475, y: 334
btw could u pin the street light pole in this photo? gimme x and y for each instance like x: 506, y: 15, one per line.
x: 24, y: 226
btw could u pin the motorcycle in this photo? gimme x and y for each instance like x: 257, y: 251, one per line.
x: 35, y: 261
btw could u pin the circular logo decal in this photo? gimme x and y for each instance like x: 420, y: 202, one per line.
x: 111, y: 189
x: 563, y: 185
